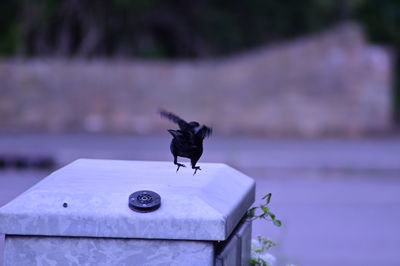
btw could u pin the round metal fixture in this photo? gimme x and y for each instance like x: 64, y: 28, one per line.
x: 144, y: 201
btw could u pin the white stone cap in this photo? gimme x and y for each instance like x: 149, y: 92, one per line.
x: 206, y: 206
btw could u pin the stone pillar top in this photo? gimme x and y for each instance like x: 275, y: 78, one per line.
x: 89, y: 198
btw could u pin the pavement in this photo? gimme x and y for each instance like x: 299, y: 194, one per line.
x: 338, y: 199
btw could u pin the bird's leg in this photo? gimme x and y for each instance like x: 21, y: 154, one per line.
x: 178, y: 164
x: 194, y: 161
x: 195, y: 169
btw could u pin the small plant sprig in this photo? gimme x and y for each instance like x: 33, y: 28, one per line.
x: 259, y: 252
x: 264, y: 244
x: 263, y: 212
x: 260, y: 247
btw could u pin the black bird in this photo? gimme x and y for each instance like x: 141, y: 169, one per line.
x: 187, y: 141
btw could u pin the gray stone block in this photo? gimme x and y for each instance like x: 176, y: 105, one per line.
x: 236, y: 250
x: 230, y: 255
x: 244, y: 235
x: 36, y: 250
x: 80, y: 214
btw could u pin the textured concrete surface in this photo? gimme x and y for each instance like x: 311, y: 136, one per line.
x: 334, y: 82
x: 206, y: 206
x: 338, y: 198
x: 44, y: 250
x: 21, y: 251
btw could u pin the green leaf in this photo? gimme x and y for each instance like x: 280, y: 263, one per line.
x: 272, y: 215
x: 277, y: 223
x: 253, y: 262
x: 264, y: 208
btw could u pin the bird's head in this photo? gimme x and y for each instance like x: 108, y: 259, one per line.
x: 202, y: 131
x: 194, y: 124
x: 196, y: 127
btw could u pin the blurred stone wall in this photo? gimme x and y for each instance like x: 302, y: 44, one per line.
x: 331, y: 83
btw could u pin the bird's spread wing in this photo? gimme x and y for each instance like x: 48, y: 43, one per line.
x: 203, y: 131
x: 183, y: 125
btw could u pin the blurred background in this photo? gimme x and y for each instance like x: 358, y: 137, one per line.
x: 303, y: 96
